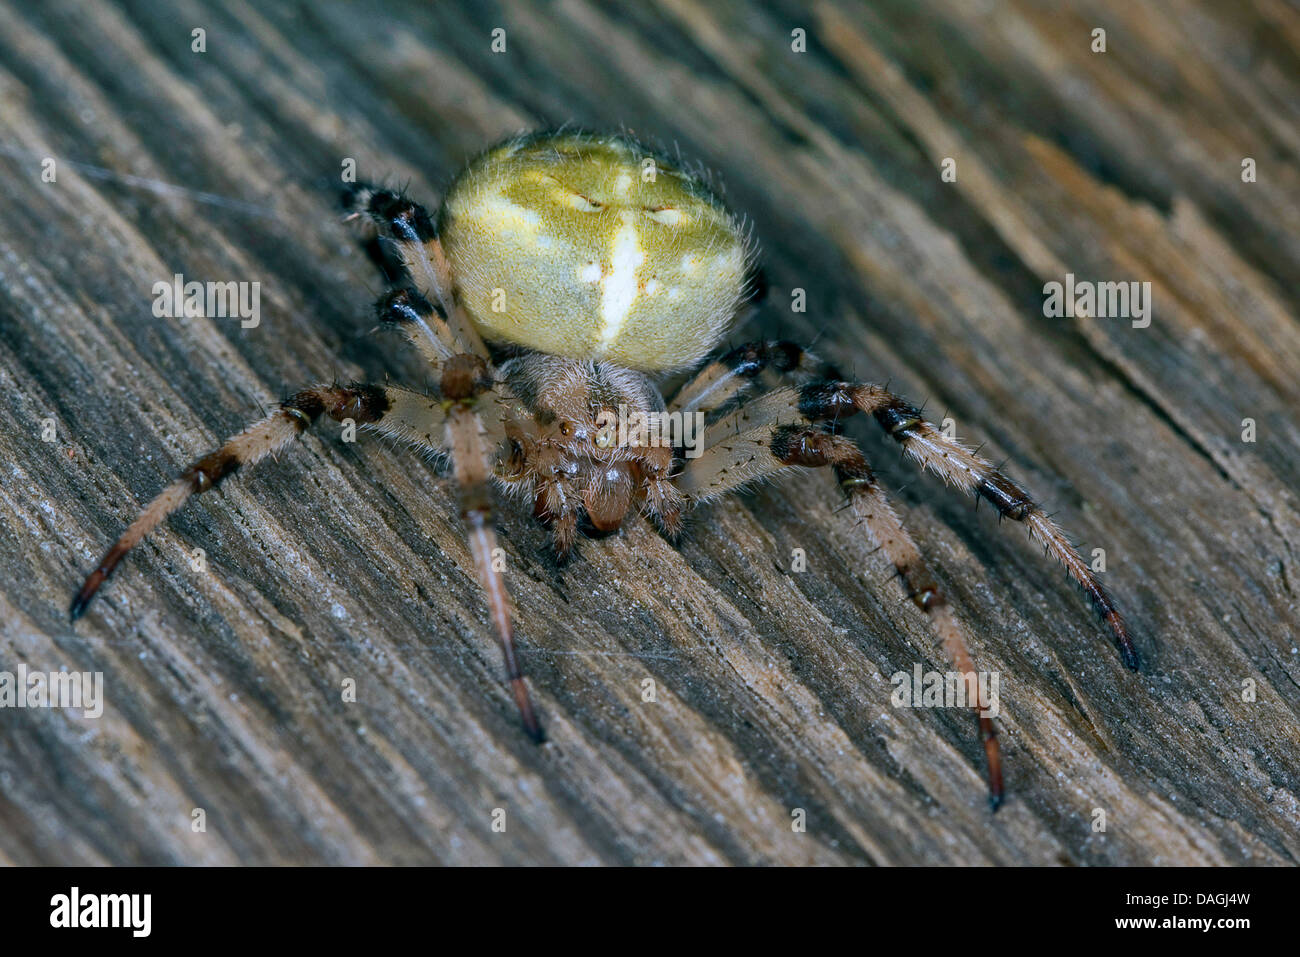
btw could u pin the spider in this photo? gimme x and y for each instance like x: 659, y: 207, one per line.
x: 566, y: 275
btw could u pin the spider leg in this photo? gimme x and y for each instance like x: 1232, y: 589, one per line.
x: 421, y: 323
x: 364, y: 404
x: 465, y: 378
x: 556, y: 501
x: 963, y: 468
x: 727, y: 377
x: 448, y: 340
x: 409, y: 228
x: 829, y: 401
x: 664, y: 501
x: 764, y: 450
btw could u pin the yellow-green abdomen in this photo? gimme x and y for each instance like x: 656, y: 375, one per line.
x: 593, y: 248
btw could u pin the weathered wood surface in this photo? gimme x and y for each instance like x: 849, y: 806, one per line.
x: 347, y: 561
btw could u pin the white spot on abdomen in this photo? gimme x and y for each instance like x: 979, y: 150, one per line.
x: 501, y: 210
x: 582, y: 203
x: 666, y: 216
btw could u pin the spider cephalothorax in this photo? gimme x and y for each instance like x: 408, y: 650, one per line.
x: 564, y: 274
x: 565, y: 454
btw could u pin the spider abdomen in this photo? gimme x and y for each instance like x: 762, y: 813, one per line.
x: 593, y: 247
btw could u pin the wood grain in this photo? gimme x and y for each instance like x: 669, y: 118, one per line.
x: 346, y: 561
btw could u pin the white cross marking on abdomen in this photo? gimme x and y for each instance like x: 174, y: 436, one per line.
x: 619, y: 288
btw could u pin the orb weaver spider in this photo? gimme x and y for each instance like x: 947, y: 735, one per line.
x: 566, y: 274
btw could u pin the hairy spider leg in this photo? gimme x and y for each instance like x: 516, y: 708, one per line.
x: 465, y: 379
x: 728, y: 377
x: 735, y: 460
x: 404, y: 411
x: 775, y: 430
x: 447, y: 339
x: 829, y: 401
x: 408, y: 228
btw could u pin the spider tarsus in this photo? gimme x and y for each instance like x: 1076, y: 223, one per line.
x: 993, y: 758
x: 90, y: 587
x: 79, y: 605
x: 1129, y: 654
x: 83, y: 597
x: 350, y: 196
x: 526, y: 714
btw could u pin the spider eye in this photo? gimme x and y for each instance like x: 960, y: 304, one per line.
x: 605, y: 423
x: 565, y: 429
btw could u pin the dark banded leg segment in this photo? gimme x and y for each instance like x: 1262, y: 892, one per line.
x: 766, y: 450
x: 465, y: 380
x: 887, y: 530
x: 409, y: 228
x: 963, y: 468
x: 727, y: 377
x: 420, y: 322
x: 364, y: 404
